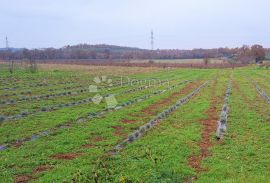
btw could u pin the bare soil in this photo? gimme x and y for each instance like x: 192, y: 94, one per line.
x: 128, y: 121
x: 152, y: 109
x: 119, y: 131
x: 42, y: 168
x: 208, y: 128
x: 67, y: 156
x: 22, y: 178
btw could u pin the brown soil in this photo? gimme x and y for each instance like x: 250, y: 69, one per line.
x: 97, y: 139
x: 88, y: 146
x: 17, y: 144
x: 152, y: 109
x: 67, y: 156
x: 42, y: 168
x: 128, y: 121
x: 118, y: 131
x: 22, y: 178
x: 209, y: 127
x: 27, y: 178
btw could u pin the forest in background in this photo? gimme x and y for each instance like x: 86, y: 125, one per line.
x: 244, y: 54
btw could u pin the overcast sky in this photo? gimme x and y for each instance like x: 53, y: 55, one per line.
x: 182, y: 24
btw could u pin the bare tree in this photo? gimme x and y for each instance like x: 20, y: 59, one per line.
x: 258, y: 52
x: 206, y: 59
x: 31, y: 58
x: 11, y: 66
x: 10, y: 61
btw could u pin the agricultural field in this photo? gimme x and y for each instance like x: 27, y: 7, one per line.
x: 181, y: 61
x: 68, y: 123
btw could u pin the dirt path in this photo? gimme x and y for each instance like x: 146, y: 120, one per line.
x: 152, y: 109
x: 155, y: 107
x: 208, y: 129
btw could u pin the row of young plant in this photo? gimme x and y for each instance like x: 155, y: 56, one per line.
x: 264, y: 76
x: 91, y: 115
x: 45, y: 96
x: 261, y: 92
x: 7, y: 82
x: 3, y: 79
x: 26, y: 113
x: 23, y: 94
x: 138, y: 99
x: 37, y: 85
x: 222, y: 123
x: 128, y: 83
x: 157, y: 119
x: 65, y: 93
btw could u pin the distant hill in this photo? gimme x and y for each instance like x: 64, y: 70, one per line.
x: 101, y: 48
x: 12, y: 49
x: 115, y: 53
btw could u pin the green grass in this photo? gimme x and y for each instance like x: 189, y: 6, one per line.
x: 162, y: 154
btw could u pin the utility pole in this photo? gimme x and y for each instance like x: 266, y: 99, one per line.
x: 7, y: 45
x: 152, y: 40
x: 151, y: 61
x: 11, y: 61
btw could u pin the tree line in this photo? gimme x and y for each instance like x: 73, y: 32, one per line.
x: 244, y: 54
